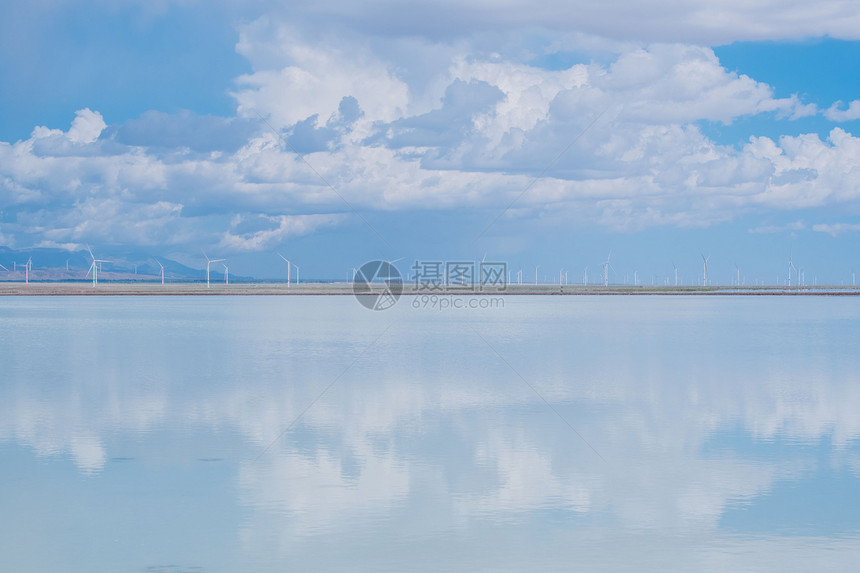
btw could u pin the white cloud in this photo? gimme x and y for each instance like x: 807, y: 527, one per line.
x: 836, y: 229
x: 295, y: 80
x: 770, y: 229
x: 471, y: 131
x: 703, y: 22
x: 281, y: 227
x: 836, y: 113
x: 86, y: 127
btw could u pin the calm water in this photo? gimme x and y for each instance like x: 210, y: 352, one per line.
x: 245, y: 434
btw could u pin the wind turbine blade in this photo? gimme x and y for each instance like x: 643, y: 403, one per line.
x: 283, y: 257
x: 92, y: 256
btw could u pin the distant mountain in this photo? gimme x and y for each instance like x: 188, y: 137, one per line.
x: 125, y: 264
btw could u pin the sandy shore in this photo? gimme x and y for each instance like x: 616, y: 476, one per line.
x: 268, y: 289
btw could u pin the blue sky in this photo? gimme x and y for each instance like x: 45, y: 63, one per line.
x: 657, y: 131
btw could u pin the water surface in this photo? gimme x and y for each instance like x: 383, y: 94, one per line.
x: 222, y: 434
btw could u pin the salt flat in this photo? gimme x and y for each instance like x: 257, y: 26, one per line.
x: 343, y: 288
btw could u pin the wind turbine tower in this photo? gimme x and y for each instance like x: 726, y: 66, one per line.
x: 791, y: 266
x: 94, y: 267
x: 391, y: 264
x: 606, y: 267
x: 705, y: 267
x: 289, y: 265
x: 480, y: 270
x: 162, y: 270
x: 208, y: 263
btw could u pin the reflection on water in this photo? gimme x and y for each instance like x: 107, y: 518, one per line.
x: 268, y: 434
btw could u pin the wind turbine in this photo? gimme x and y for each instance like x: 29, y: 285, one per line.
x: 739, y: 273
x: 390, y: 263
x: 585, y: 277
x: 606, y: 266
x: 705, y: 266
x: 226, y: 274
x: 676, y: 273
x: 480, y: 269
x: 297, y: 273
x: 289, y: 265
x: 162, y: 270
x: 536, y: 273
x: 94, y: 267
x: 791, y: 266
x: 209, y: 262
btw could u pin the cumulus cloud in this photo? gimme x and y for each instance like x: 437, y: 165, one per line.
x: 296, y: 79
x: 615, y: 142
x: 275, y: 230
x: 86, y: 127
x: 836, y: 113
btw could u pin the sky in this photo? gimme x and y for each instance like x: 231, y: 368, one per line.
x: 532, y: 134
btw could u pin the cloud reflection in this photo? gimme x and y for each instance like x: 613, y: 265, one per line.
x: 698, y: 407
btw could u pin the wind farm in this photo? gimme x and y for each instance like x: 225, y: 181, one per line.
x: 163, y: 276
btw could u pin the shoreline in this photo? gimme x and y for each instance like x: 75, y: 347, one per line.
x: 341, y: 289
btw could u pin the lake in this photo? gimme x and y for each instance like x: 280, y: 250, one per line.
x: 307, y: 433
